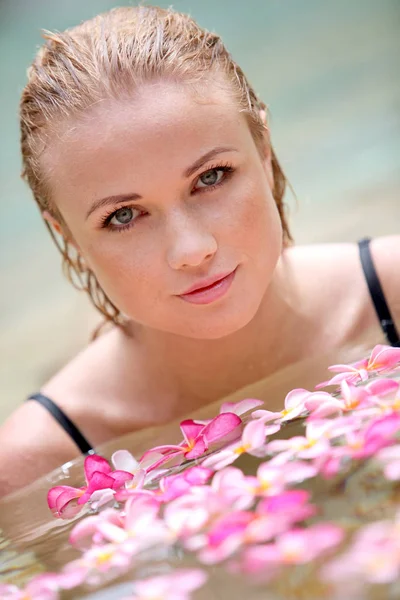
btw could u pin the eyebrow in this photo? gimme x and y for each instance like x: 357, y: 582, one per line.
x: 120, y: 198
x: 206, y: 157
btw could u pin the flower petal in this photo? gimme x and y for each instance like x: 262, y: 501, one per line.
x: 123, y: 460
x: 190, y: 430
x: 98, y: 481
x: 221, y: 427
x: 95, y: 463
x: 56, y: 492
x: 254, y: 434
x: 295, y: 398
x: 239, y: 408
x: 65, y: 498
x: 198, y: 449
x: 120, y: 477
x: 102, y: 498
x: 384, y: 357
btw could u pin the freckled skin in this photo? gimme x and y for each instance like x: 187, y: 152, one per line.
x: 143, y: 146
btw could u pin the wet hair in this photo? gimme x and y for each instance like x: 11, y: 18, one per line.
x: 108, y: 57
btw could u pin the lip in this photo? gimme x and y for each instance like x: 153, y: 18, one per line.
x: 210, y: 289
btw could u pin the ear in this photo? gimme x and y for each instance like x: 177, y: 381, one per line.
x: 56, y: 225
x: 267, y: 151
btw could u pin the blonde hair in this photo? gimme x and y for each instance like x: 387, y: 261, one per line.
x: 106, y: 57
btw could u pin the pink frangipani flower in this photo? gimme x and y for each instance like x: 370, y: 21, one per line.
x: 174, y: 486
x: 271, y: 479
x: 198, y: 438
x: 294, y: 407
x: 177, y: 585
x: 138, y: 526
x: 313, y: 444
x: 382, y: 359
x: 171, y: 486
x: 237, y: 408
x: 202, y: 504
x: 359, y: 443
x: 322, y: 405
x: 242, y: 407
x: 373, y: 557
x: 386, y: 394
x: 296, y: 546
x: 41, y: 587
x: 99, y: 564
x: 65, y: 501
x: 252, y: 442
x: 239, y: 528
x: 390, y: 457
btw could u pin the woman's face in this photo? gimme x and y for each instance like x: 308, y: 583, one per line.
x: 162, y: 193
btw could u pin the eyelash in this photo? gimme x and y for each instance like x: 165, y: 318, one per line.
x: 227, y: 169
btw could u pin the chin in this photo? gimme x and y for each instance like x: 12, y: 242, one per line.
x: 222, y: 323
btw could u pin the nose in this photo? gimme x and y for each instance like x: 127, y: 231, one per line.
x: 190, y: 243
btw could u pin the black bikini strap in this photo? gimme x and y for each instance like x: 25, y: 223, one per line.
x: 64, y: 421
x: 377, y: 295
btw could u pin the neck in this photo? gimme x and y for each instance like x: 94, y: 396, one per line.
x: 205, y: 370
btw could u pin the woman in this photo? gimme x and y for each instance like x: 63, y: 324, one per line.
x: 149, y: 156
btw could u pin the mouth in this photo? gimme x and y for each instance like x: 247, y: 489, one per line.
x: 209, y: 290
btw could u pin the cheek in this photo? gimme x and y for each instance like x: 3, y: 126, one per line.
x: 257, y: 222
x: 129, y: 272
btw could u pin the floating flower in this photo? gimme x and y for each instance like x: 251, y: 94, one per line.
x: 138, y: 527
x: 390, y: 457
x: 297, y: 546
x: 238, y: 408
x: 382, y: 359
x: 386, y: 394
x: 314, y: 443
x: 294, y: 407
x: 41, y: 587
x: 174, y: 586
x: 325, y: 405
x: 238, y: 528
x: 373, y: 557
x: 99, y: 564
x: 198, y: 438
x: 251, y: 442
x: 65, y: 501
x: 174, y: 486
x: 359, y: 443
x: 271, y: 479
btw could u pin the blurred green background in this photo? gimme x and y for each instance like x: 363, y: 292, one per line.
x: 329, y: 72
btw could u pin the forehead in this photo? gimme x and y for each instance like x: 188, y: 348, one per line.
x: 163, y: 124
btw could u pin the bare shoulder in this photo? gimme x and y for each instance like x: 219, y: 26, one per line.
x: 336, y: 291
x: 32, y: 442
x: 96, y: 384
x: 31, y: 445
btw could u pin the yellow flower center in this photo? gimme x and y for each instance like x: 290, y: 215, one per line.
x: 357, y: 445
x: 396, y: 404
x: 242, y: 449
x: 264, y: 486
x: 104, y: 556
x: 308, y: 444
x: 351, y: 405
x: 290, y: 555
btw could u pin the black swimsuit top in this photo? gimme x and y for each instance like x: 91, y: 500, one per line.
x: 379, y: 302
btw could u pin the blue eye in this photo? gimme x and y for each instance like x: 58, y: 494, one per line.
x: 211, y: 177
x: 123, y: 216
